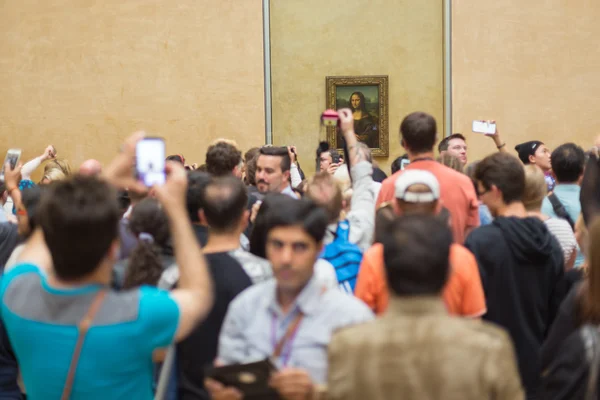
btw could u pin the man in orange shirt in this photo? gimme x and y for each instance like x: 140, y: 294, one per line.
x: 418, y: 192
x: 418, y: 136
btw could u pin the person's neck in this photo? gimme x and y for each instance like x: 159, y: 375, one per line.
x: 284, y: 187
x: 514, y: 209
x: 101, y: 276
x: 221, y: 242
x: 537, y: 214
x: 286, y: 298
x: 416, y: 156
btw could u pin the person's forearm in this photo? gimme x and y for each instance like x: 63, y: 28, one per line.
x: 295, y: 177
x: 31, y: 166
x: 501, y: 146
x: 15, y: 195
x: 193, y: 271
x: 354, y: 152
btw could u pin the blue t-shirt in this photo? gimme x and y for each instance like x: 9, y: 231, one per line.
x: 568, y: 194
x: 116, y: 357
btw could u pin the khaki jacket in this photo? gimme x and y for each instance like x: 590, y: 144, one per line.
x: 417, y: 351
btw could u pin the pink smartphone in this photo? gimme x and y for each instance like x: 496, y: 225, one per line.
x: 485, y: 127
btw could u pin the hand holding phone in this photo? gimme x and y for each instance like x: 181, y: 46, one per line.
x: 13, y: 156
x: 485, y: 127
x: 150, y: 161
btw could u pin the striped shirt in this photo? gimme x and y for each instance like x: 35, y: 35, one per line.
x: 561, y: 229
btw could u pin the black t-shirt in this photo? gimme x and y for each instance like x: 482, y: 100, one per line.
x: 199, y: 350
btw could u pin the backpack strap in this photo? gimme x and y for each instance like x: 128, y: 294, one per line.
x: 82, y: 328
x: 560, y: 210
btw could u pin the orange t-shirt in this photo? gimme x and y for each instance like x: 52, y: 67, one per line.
x: 463, y: 293
x: 456, y: 192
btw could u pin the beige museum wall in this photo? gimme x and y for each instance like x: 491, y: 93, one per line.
x: 531, y: 65
x: 312, y: 39
x: 83, y: 74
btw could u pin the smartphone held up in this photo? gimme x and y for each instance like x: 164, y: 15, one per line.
x: 13, y: 156
x: 150, y: 161
x: 485, y: 127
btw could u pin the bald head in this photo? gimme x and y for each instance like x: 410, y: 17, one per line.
x: 90, y: 168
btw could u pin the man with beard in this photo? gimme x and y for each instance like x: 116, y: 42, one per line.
x: 273, y: 171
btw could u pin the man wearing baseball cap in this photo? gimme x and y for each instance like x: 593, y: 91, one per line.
x: 417, y: 192
x: 418, y: 133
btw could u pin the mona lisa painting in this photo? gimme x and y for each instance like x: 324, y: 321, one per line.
x: 367, y: 97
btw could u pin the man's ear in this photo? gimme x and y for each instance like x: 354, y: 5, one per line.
x: 202, y: 217
x: 237, y: 171
x: 286, y: 175
x: 402, y: 143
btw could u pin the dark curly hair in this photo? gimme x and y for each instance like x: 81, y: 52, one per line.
x: 222, y: 158
x: 145, y: 266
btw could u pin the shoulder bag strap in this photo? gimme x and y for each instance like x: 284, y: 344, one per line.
x: 82, y: 328
x: 560, y: 210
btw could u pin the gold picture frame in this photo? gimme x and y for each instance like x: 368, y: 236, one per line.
x: 367, y: 96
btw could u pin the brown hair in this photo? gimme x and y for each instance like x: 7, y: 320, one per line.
x: 451, y: 161
x: 418, y: 131
x: 324, y: 191
x: 590, y: 292
x: 536, y: 188
x: 505, y: 172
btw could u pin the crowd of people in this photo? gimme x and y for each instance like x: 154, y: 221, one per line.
x: 445, y: 280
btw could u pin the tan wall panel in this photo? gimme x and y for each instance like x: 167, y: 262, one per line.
x: 531, y: 65
x: 312, y: 39
x: 84, y: 74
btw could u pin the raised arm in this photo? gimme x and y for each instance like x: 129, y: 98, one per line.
x: 12, y: 177
x: 500, y: 145
x: 32, y: 165
x: 194, y: 295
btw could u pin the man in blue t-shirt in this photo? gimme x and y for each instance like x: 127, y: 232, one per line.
x: 43, y: 310
x: 567, y: 164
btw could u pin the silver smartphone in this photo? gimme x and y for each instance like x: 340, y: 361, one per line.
x: 13, y: 156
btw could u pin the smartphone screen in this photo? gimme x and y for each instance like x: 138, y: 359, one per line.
x: 404, y: 163
x: 150, y: 161
x: 12, y: 156
x: 485, y: 127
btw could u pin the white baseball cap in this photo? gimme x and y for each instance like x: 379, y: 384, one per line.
x: 412, y: 177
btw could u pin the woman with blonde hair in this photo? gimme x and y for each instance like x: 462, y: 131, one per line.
x: 451, y: 161
x: 536, y: 190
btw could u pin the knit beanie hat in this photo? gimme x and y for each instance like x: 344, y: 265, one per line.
x: 527, y: 149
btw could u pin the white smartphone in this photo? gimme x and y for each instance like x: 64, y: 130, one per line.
x: 150, y: 161
x: 485, y: 127
x: 404, y: 163
x: 12, y: 156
